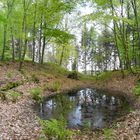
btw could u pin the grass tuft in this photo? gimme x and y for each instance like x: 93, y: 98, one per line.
x: 37, y: 94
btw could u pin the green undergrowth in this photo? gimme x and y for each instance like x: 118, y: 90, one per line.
x: 10, y: 85
x: 108, y: 133
x: 51, y: 70
x: 86, y: 77
x: 54, y: 87
x: 137, y: 87
x: 55, y: 69
x: 104, y: 76
x: 55, y: 129
x: 10, y: 95
x: 14, y: 96
x: 110, y: 75
x: 137, y: 90
x: 34, y: 72
x: 37, y: 94
x: 34, y: 78
x: 73, y: 75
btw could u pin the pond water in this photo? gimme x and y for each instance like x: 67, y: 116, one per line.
x: 84, y: 108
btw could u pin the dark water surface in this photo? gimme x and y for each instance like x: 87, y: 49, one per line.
x: 85, y: 108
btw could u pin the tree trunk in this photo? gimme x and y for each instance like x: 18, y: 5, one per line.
x: 4, y: 41
x: 24, y: 30
x: 62, y: 55
x: 43, y: 49
x: 40, y: 41
x: 13, y: 45
x: 134, y: 6
x: 34, y: 32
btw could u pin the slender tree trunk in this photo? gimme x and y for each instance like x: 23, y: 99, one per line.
x: 85, y: 61
x: 44, y: 43
x: 13, y: 45
x: 116, y: 39
x: 62, y: 55
x: 92, y: 68
x: 43, y: 49
x: 123, y: 33
x: 134, y: 50
x: 134, y: 6
x: 40, y: 40
x: 24, y: 45
x: 4, y: 41
x: 34, y: 32
x: 115, y: 26
x: 9, y: 5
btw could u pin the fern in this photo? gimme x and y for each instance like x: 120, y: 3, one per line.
x: 137, y: 90
x: 56, y: 129
x: 108, y: 133
x: 36, y: 94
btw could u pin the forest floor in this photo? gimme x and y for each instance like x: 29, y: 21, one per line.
x: 18, y: 121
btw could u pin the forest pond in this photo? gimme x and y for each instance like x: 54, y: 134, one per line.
x: 84, y: 108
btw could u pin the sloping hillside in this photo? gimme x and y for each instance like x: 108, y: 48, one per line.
x: 18, y: 119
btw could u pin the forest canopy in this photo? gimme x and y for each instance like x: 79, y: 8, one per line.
x: 104, y: 38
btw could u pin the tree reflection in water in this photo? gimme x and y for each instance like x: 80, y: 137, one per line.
x: 88, y: 105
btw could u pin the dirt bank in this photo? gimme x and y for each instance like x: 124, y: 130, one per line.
x: 19, y: 121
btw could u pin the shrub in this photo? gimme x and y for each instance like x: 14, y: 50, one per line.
x: 86, y: 125
x: 137, y: 90
x: 42, y: 138
x: 3, y: 96
x: 55, y: 86
x: 35, y: 78
x: 73, y: 75
x: 108, y: 133
x: 10, y: 85
x: 9, y: 75
x: 45, y: 87
x: 55, y: 129
x: 36, y: 94
x: 104, y: 76
x: 14, y: 96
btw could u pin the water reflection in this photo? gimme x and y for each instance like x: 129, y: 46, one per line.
x: 88, y: 105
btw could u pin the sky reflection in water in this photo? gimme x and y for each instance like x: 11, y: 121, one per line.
x: 85, y: 107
